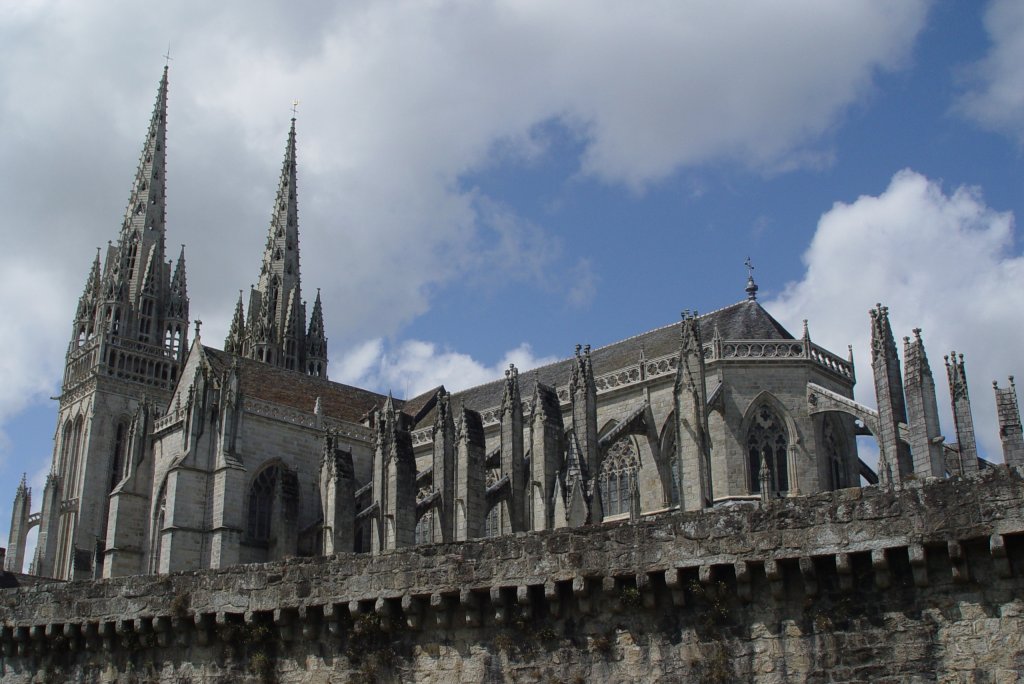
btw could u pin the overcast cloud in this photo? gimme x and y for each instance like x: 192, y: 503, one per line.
x: 399, y: 102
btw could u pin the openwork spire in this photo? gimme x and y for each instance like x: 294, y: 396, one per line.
x: 277, y: 314
x: 142, y: 233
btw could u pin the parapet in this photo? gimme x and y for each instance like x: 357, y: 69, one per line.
x: 776, y: 559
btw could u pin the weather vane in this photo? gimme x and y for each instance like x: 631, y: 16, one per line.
x: 750, y: 267
x: 295, y: 106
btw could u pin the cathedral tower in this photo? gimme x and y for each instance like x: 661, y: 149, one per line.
x: 129, y: 338
x: 275, y: 331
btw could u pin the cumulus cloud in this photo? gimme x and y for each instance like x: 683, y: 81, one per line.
x: 415, y: 366
x: 995, y: 97
x: 941, y: 260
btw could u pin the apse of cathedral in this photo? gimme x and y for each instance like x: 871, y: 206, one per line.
x: 173, y: 454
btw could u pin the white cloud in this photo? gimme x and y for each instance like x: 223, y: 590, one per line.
x: 944, y: 262
x: 32, y: 357
x: 414, y: 366
x: 996, y: 96
x: 401, y: 102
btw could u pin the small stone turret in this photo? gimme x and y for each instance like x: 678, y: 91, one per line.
x: 443, y: 460
x: 394, y: 481
x: 894, y: 460
x: 15, y: 559
x: 583, y: 393
x: 691, y: 415
x: 512, y: 465
x: 962, y: 419
x: 1010, y: 432
x: 922, y: 410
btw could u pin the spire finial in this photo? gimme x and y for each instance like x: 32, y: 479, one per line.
x: 295, y: 107
x: 751, y: 285
x: 167, y: 56
x: 199, y: 323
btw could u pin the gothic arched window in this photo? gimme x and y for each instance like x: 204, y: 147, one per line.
x: 117, y: 458
x: 261, y: 504
x: 832, y: 434
x: 767, y: 442
x: 423, y: 528
x: 618, y: 470
x: 673, y: 468
x: 491, y: 527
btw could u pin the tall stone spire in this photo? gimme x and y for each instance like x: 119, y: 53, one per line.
x: 276, y: 326
x: 142, y: 233
x: 922, y: 410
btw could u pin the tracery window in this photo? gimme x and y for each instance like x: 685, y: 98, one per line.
x: 261, y: 504
x: 832, y: 436
x: 767, y: 441
x: 618, y: 470
x: 423, y: 528
x: 491, y: 527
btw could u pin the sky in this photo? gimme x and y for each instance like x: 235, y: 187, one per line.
x: 491, y: 182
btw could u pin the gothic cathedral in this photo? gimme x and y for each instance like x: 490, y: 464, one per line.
x: 174, y: 455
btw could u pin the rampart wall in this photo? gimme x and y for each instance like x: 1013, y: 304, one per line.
x: 923, y: 583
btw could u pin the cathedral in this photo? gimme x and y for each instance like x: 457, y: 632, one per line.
x: 171, y: 454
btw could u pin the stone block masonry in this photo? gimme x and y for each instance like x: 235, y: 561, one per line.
x: 923, y: 582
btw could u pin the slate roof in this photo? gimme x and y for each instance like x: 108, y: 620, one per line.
x: 746, y: 320
x: 300, y: 391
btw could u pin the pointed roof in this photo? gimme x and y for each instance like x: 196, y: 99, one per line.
x: 316, y: 339
x: 92, y: 290
x: 281, y: 256
x: 236, y: 335
x: 745, y: 320
x: 145, y: 206
x: 296, y: 390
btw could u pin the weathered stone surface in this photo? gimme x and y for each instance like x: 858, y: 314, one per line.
x: 903, y: 585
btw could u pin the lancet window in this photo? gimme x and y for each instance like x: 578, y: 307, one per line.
x: 117, y: 458
x: 618, y: 470
x: 768, y: 443
x: 423, y: 528
x: 261, y: 504
x: 832, y: 435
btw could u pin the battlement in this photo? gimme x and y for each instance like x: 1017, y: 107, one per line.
x: 864, y: 550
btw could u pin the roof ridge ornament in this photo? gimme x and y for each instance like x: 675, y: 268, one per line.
x: 751, y: 285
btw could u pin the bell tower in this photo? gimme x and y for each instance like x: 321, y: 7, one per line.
x: 128, y: 341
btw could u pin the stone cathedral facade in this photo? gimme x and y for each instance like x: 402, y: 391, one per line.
x: 171, y: 454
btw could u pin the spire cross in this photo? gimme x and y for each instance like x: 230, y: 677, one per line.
x: 750, y: 267
x: 295, y: 106
x: 167, y: 56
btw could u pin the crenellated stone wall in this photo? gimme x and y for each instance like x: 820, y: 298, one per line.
x: 918, y: 583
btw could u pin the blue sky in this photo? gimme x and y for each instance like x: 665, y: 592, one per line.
x: 489, y: 182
